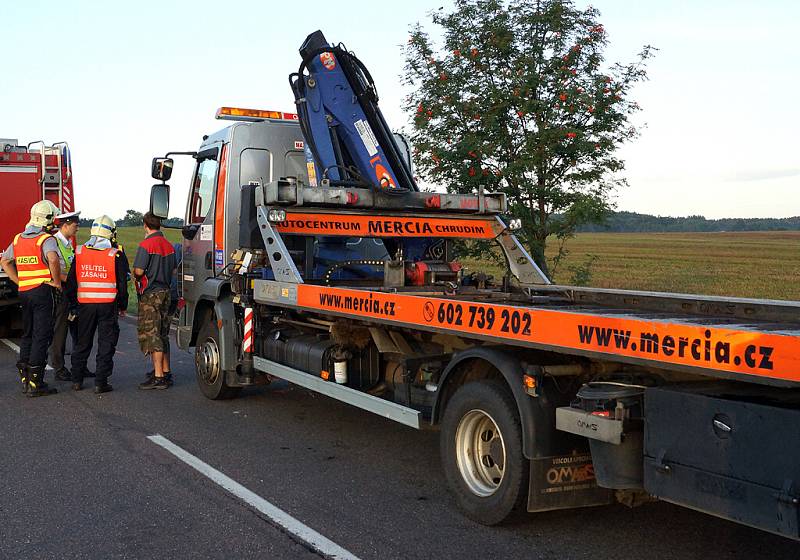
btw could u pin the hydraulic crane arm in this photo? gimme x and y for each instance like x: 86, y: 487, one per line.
x: 347, y: 136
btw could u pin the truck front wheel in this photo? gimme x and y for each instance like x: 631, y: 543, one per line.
x: 208, y: 366
x: 481, y: 448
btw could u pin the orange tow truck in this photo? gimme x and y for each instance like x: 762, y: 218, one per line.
x: 546, y: 396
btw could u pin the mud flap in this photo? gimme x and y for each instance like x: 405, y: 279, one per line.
x: 564, y: 482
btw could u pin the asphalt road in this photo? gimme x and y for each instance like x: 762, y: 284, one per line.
x: 80, y: 479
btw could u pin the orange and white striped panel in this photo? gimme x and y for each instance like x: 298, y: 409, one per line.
x: 247, y: 343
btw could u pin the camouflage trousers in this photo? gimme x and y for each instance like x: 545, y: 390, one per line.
x: 153, y: 324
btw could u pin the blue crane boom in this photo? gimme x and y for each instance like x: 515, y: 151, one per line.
x: 348, y: 139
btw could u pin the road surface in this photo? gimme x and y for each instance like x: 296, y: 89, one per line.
x: 83, y: 477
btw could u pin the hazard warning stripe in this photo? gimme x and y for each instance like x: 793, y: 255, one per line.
x: 247, y: 343
x: 723, y: 350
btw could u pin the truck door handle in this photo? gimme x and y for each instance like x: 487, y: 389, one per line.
x: 209, y: 260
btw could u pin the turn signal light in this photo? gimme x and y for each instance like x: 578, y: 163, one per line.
x: 530, y: 382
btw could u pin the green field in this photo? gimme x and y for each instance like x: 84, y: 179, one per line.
x: 743, y: 264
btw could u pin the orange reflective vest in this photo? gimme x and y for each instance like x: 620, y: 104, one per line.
x: 31, y: 266
x: 96, y: 274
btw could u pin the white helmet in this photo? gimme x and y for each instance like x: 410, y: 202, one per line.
x: 42, y: 213
x: 103, y: 227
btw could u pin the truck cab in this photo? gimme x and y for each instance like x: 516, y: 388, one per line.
x: 255, y: 149
x: 258, y: 148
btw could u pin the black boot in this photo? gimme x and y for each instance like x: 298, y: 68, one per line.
x: 152, y: 373
x: 63, y: 374
x: 36, y: 385
x: 22, y: 369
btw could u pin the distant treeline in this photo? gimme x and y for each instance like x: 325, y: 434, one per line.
x: 133, y: 218
x: 633, y: 222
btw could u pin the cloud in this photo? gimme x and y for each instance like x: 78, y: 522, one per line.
x: 762, y: 174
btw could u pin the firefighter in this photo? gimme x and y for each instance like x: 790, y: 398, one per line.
x: 31, y: 261
x: 98, y: 283
x: 67, y: 224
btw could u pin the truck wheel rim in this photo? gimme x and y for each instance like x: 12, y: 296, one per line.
x: 208, y: 361
x: 480, y: 453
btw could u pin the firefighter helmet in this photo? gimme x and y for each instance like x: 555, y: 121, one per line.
x: 103, y: 227
x: 42, y: 213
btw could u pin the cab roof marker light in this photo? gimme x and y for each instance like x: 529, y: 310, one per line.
x: 253, y: 115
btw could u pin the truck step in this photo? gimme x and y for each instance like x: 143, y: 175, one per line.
x: 381, y: 407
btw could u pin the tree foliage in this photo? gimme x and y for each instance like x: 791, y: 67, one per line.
x: 131, y: 218
x: 519, y: 99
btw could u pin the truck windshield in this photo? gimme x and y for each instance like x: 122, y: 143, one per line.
x: 296, y: 166
x: 254, y: 165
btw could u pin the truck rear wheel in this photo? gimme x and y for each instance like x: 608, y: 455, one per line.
x: 208, y: 366
x: 481, y: 449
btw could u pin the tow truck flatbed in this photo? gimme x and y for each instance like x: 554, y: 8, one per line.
x: 759, y: 351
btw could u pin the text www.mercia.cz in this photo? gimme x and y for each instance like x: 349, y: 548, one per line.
x: 701, y: 350
x: 364, y: 304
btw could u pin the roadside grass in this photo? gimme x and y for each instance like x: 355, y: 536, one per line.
x: 130, y: 237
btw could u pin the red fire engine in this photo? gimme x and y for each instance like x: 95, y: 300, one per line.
x: 28, y: 174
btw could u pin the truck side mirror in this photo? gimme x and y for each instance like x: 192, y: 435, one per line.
x: 159, y: 201
x: 161, y: 168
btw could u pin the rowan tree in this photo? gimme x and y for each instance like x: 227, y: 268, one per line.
x: 518, y: 98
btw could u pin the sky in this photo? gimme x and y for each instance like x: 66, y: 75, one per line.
x: 123, y: 82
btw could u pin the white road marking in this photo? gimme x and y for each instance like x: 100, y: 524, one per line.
x: 318, y: 542
x: 15, y: 348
